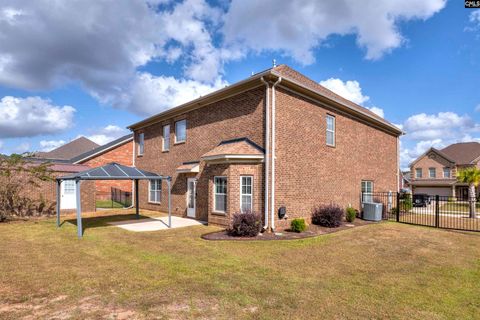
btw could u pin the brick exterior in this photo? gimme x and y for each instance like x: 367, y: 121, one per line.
x: 122, y: 154
x: 307, y: 171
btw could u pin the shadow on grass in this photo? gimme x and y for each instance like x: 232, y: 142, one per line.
x: 103, y: 221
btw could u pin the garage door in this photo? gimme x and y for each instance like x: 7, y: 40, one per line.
x: 433, y: 191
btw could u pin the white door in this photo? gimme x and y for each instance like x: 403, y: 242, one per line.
x: 67, y: 195
x: 191, y: 197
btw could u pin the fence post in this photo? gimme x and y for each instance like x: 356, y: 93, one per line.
x: 398, y: 207
x: 437, y: 211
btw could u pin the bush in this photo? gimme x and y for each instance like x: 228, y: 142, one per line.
x: 351, y: 214
x: 328, y: 216
x: 406, y: 204
x: 246, y: 224
x: 298, y: 225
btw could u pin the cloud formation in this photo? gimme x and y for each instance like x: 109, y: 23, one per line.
x: 32, y: 116
x: 106, y: 134
x: 49, y: 145
x: 297, y: 27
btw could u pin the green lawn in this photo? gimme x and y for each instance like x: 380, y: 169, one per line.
x: 108, y: 204
x: 386, y: 270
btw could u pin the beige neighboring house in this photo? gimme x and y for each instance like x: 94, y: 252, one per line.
x: 435, y: 172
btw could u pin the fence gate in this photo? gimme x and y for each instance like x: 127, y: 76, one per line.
x: 433, y: 211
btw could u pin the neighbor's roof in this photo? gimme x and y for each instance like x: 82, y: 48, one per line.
x: 234, y: 148
x: 113, y: 171
x: 102, y: 149
x: 291, y: 78
x: 463, y: 153
x: 434, y: 150
x: 69, y: 150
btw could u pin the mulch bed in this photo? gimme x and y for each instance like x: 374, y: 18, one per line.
x: 312, y: 231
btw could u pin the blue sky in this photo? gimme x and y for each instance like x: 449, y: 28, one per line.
x: 63, y: 75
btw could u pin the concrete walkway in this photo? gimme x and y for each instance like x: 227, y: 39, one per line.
x: 155, y: 224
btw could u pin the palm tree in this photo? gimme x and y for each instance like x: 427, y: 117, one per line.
x: 471, y: 176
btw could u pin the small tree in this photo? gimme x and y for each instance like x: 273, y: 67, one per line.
x: 471, y: 176
x: 15, y: 174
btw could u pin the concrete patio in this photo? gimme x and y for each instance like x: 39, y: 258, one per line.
x: 155, y: 224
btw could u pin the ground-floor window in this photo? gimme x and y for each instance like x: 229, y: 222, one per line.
x: 220, y: 194
x: 155, y: 191
x: 367, y: 191
x: 246, y: 193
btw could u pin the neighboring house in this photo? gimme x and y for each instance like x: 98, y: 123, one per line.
x: 435, y: 172
x: 119, y: 151
x: 82, y: 154
x: 69, y: 150
x: 405, y: 180
x: 276, y: 133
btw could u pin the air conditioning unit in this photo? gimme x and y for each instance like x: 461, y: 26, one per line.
x: 372, y: 211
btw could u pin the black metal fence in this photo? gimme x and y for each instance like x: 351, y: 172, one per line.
x: 121, y: 197
x: 434, y: 211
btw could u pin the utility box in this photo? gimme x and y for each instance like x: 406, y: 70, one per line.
x: 372, y: 211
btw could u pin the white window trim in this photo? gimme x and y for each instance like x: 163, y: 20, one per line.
x: 430, y: 173
x: 332, y: 131
x: 215, y: 194
x: 176, y: 138
x: 367, y: 194
x: 241, y: 194
x: 421, y: 173
x: 163, y: 137
x: 141, y: 143
x: 150, y: 189
x: 449, y: 172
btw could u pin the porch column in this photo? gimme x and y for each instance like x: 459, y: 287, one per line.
x: 79, y: 209
x: 137, y: 203
x: 58, y: 202
x: 454, y: 195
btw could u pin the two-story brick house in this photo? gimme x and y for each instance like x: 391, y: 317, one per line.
x: 435, y: 171
x: 276, y: 139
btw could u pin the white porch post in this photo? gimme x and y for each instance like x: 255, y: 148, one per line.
x: 79, y: 209
x: 454, y: 192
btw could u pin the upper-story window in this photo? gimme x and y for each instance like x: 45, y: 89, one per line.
x: 180, y: 131
x: 330, y: 130
x: 447, y: 173
x: 418, y: 173
x: 432, y: 172
x: 141, y: 143
x: 166, y: 138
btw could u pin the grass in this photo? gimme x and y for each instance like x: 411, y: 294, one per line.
x: 108, y: 204
x: 386, y: 270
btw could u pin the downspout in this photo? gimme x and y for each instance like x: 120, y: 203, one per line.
x: 134, y: 199
x: 267, y: 145
x: 272, y: 199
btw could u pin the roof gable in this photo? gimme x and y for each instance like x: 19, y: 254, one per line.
x: 69, y: 150
x: 434, y: 151
x: 102, y: 149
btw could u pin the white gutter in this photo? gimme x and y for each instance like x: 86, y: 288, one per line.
x: 272, y: 199
x: 267, y: 145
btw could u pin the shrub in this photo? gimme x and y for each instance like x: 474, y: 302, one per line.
x: 328, y: 216
x: 351, y: 214
x: 298, y: 225
x: 246, y: 224
x: 406, y: 204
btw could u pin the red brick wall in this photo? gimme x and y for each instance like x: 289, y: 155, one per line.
x: 308, y: 172
x: 238, y: 116
x: 122, y: 155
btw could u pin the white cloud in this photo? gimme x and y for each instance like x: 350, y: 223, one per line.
x: 150, y: 94
x: 49, y: 145
x: 445, y: 125
x: 435, y: 130
x: 106, y: 134
x: 296, y: 27
x: 32, y: 116
x: 21, y: 148
x: 349, y: 89
x: 477, y: 108
x: 46, y: 44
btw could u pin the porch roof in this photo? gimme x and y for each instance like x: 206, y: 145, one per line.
x: 241, y: 148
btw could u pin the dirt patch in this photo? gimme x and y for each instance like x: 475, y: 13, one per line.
x: 312, y: 231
